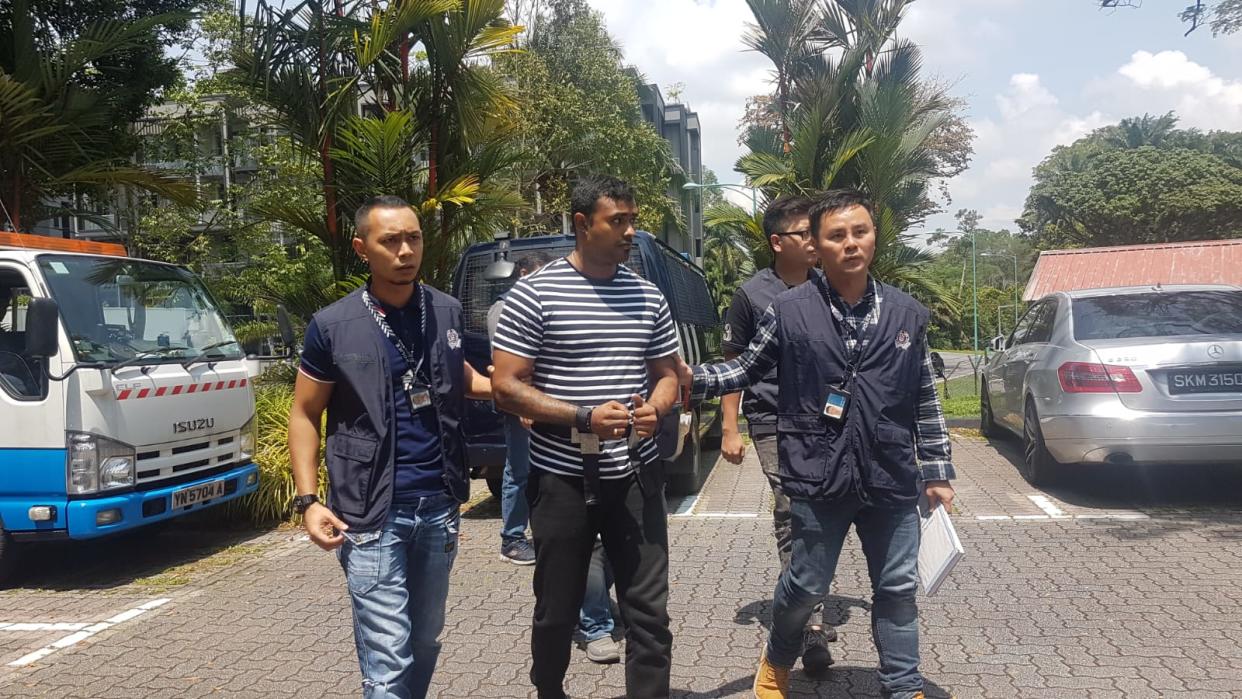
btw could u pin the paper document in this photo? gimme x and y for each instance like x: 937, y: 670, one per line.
x: 939, y: 549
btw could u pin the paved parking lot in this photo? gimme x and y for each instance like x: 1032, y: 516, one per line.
x: 1121, y: 583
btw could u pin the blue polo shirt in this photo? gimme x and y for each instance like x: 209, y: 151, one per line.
x: 419, y: 467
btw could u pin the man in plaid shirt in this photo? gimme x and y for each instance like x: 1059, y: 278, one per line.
x: 861, y: 435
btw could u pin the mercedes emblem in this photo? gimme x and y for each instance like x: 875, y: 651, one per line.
x: 1216, y: 351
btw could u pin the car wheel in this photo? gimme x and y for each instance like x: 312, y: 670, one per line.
x: 494, y: 484
x: 987, y: 421
x: 688, y: 467
x: 1038, y: 466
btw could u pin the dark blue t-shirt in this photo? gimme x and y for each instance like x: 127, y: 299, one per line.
x: 419, y: 468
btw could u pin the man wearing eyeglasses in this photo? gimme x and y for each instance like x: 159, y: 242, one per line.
x: 788, y: 228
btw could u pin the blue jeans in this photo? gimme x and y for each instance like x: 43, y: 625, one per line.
x: 595, y: 617
x: 398, y: 579
x: 890, y: 541
x: 514, y: 511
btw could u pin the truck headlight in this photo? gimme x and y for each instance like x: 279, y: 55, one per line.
x: 95, y: 463
x: 248, y: 439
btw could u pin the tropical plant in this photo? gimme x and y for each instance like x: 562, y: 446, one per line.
x: 270, y: 503
x: 342, y: 79
x: 855, y: 113
x: 733, y: 248
x: 57, y: 129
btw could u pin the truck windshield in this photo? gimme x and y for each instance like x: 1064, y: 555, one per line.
x: 119, y: 310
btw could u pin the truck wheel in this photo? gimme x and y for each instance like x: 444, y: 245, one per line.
x: 494, y: 484
x: 8, y: 557
x: 688, y: 468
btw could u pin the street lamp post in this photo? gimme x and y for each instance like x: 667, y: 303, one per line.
x: 974, y: 285
x: 754, y: 200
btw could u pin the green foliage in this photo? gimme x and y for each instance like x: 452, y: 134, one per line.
x: 270, y: 503
x: 579, y: 113
x: 58, y: 122
x: 1140, y: 181
x: 854, y: 112
x: 953, y: 321
x: 342, y: 80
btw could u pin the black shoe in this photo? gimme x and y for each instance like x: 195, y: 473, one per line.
x: 518, y: 552
x: 815, y: 656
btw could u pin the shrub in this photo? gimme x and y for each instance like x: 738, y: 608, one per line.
x: 270, y: 503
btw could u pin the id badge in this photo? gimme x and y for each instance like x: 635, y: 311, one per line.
x: 836, y: 404
x: 419, y: 393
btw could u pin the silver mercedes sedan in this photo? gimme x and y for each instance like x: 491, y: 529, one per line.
x: 1124, y: 376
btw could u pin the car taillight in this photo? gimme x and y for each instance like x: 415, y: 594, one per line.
x: 1089, y: 377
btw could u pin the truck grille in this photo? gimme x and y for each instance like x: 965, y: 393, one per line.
x: 179, y: 459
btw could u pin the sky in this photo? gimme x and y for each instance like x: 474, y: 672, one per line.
x: 1034, y: 74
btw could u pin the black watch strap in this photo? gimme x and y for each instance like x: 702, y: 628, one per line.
x: 583, y: 419
x: 301, y: 502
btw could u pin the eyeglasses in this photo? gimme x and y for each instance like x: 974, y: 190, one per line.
x: 804, y: 234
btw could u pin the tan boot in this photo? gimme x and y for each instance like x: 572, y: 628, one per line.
x: 771, y: 681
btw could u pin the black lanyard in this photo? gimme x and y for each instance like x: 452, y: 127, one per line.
x: 412, y: 368
x: 845, y: 327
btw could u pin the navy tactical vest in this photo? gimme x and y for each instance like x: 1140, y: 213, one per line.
x: 759, y: 402
x: 361, y: 440
x: 870, y: 454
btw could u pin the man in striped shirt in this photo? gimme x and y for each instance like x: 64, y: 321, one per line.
x: 860, y: 435
x: 587, y: 350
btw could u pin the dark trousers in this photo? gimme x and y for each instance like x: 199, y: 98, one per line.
x: 630, y: 518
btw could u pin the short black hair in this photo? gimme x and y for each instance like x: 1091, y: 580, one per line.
x: 383, y: 201
x: 532, y: 261
x: 786, y: 207
x: 835, y: 200
x: 591, y: 188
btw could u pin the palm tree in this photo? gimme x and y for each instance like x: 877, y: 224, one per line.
x: 55, y: 130
x: 733, y: 248
x: 859, y: 116
x: 1136, y: 132
x: 341, y: 79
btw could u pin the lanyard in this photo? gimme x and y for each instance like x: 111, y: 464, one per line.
x: 412, y: 368
x: 845, y: 327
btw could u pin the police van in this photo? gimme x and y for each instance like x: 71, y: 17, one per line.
x: 486, y: 271
x: 124, y: 396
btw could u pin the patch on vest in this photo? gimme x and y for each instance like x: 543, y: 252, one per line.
x: 728, y: 332
x: 454, y: 340
x: 903, y: 340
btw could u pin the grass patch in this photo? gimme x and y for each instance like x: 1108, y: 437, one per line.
x: 184, y: 573
x: 963, y: 401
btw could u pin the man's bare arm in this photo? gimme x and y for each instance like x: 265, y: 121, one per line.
x: 662, y: 373
x: 478, y: 386
x: 513, y: 393
x: 731, y: 446
x: 310, y: 399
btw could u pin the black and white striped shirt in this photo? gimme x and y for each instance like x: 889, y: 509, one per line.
x: 590, y: 340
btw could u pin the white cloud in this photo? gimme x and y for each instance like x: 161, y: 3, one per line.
x: 698, y: 44
x: 1030, y: 120
x: 1170, y: 80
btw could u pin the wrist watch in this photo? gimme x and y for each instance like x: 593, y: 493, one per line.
x: 301, y: 502
x: 582, y: 420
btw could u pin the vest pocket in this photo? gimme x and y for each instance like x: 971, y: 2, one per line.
x: 893, y: 465
x: 803, y: 445
x: 350, y: 465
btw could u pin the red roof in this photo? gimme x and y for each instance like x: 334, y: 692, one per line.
x: 1199, y: 262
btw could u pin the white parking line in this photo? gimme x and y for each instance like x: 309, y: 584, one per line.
x: 28, y: 626
x: 83, y: 632
x: 1046, y: 504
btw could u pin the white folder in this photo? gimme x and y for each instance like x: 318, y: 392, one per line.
x: 939, y: 549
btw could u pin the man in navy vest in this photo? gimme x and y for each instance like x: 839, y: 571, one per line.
x: 787, y: 225
x: 386, y: 363
x: 860, y: 435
